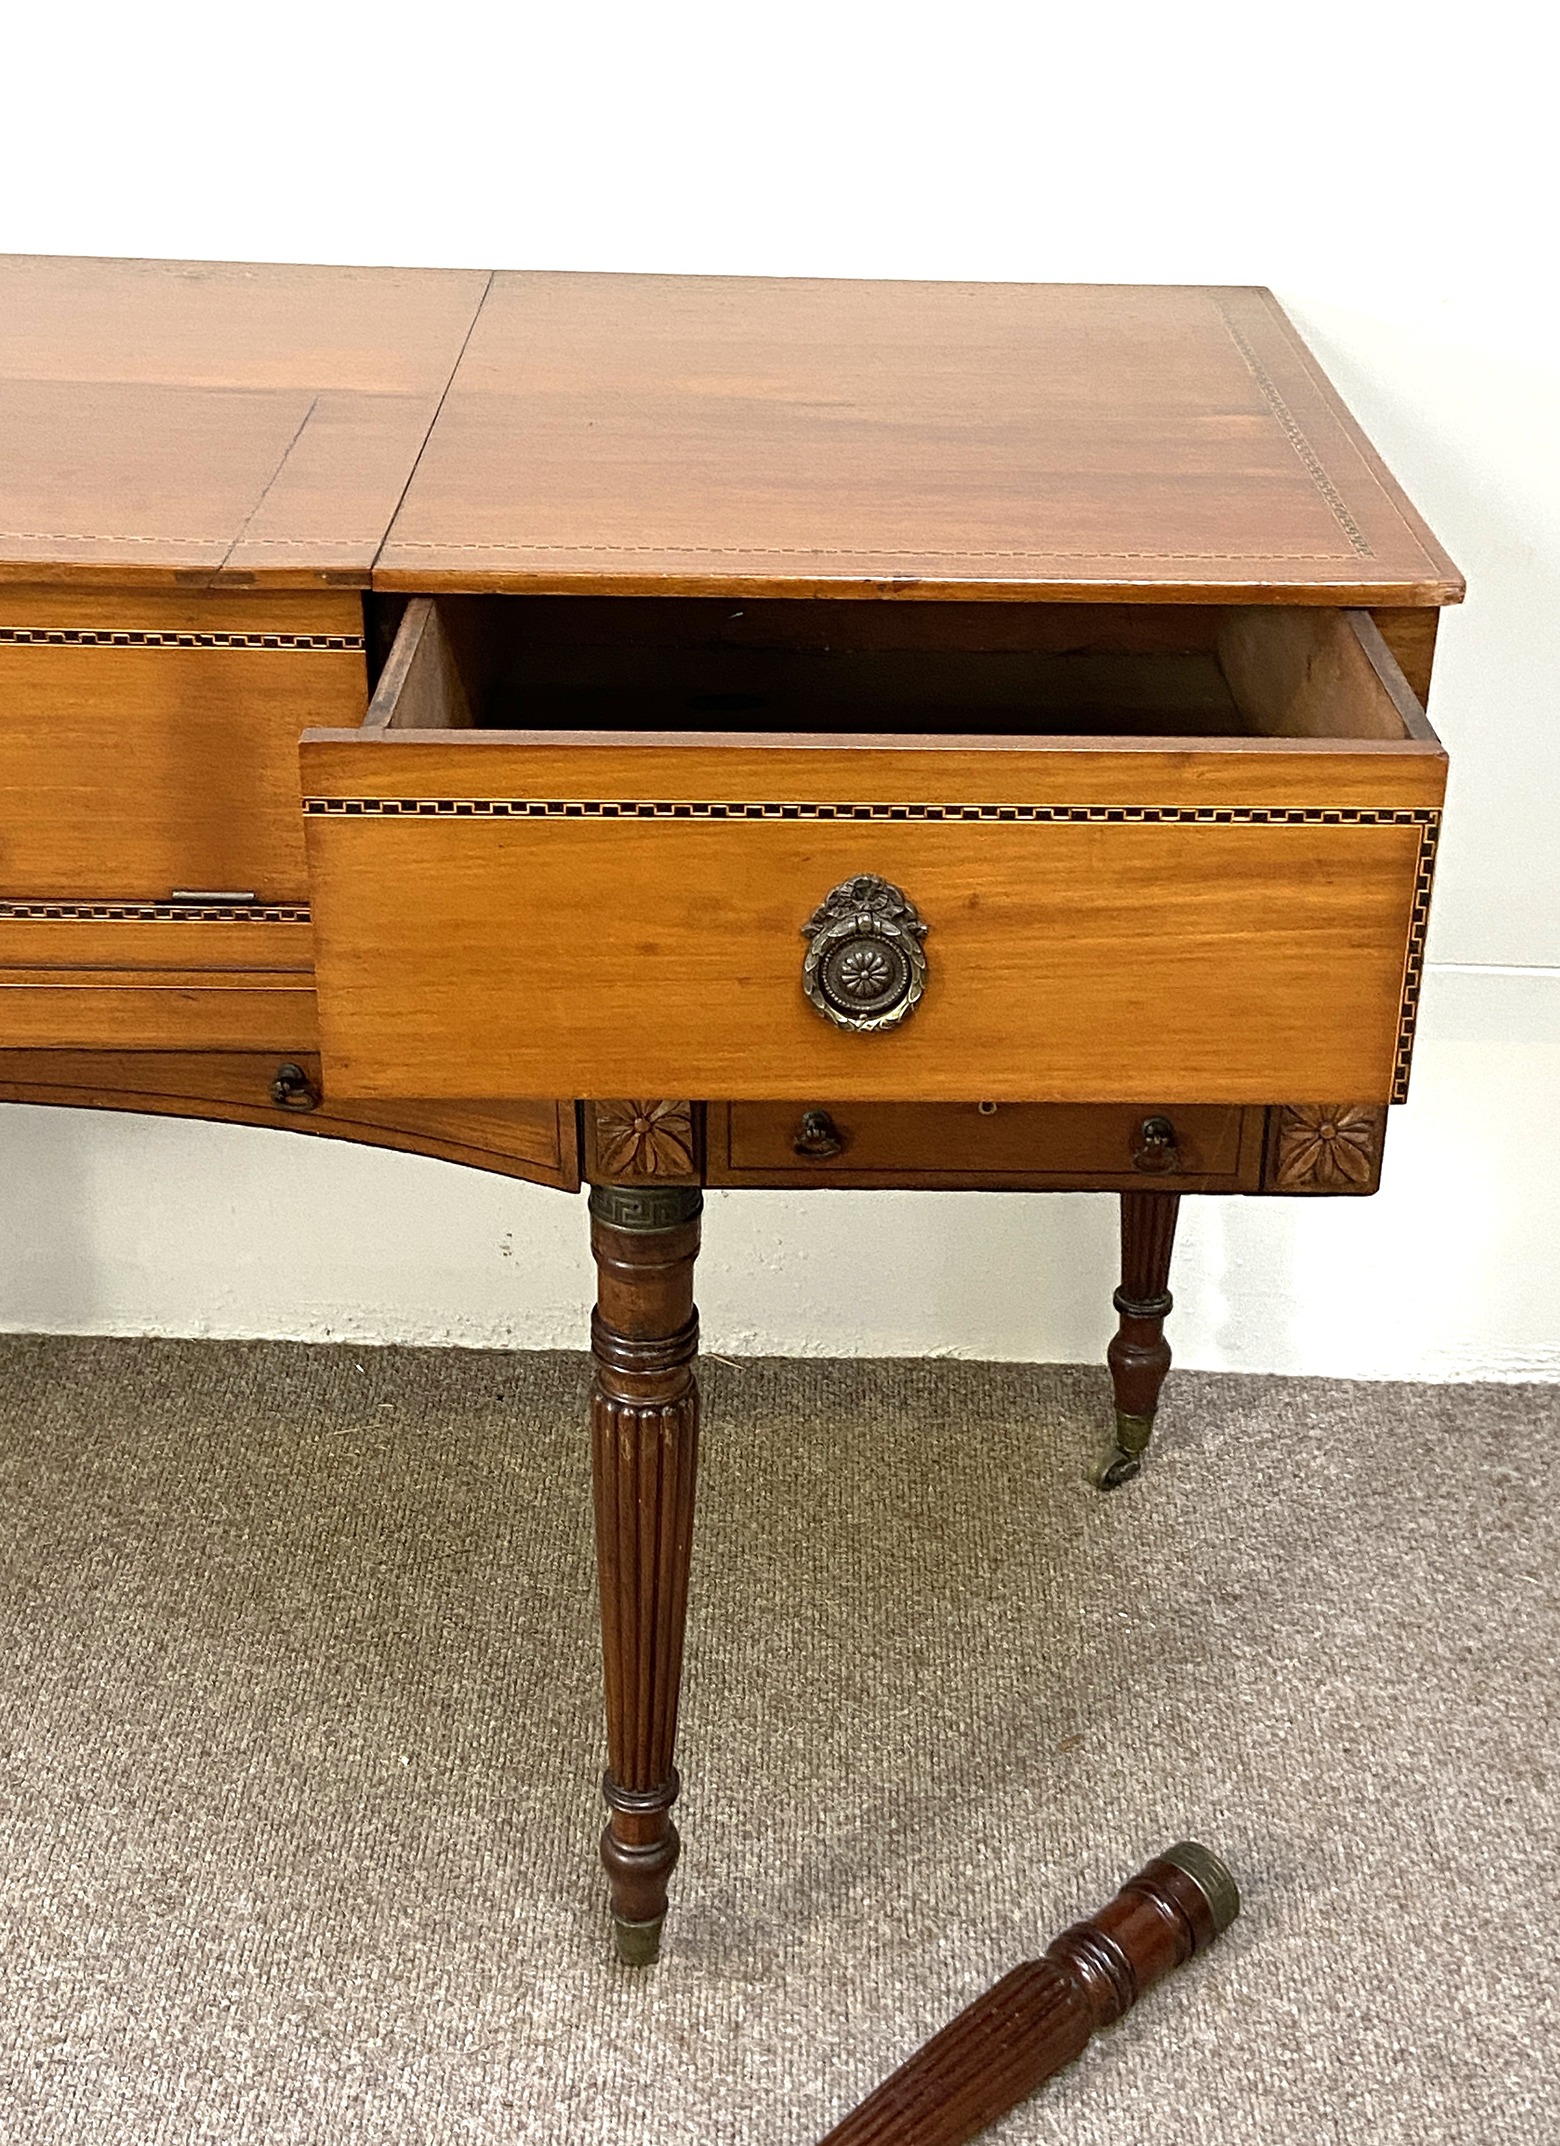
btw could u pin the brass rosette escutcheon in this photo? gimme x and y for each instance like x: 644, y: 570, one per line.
x: 865, y: 967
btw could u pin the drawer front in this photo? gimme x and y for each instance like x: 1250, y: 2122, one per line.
x: 514, y: 944
x: 155, y: 975
x: 148, y: 744
x: 880, y: 918
x: 155, y: 935
x: 156, y: 1010
x: 1190, y: 1148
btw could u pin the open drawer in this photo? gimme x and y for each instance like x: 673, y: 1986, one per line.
x: 893, y: 852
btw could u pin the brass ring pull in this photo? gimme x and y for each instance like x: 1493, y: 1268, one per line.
x: 865, y: 968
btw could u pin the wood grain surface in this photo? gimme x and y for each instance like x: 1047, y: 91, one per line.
x: 420, y: 686
x: 534, y: 1140
x: 173, y: 421
x: 1320, y: 714
x: 130, y: 771
x: 126, y: 774
x: 157, y: 1010
x: 775, y: 436
x: 117, y: 935
x: 1069, y: 962
x: 167, y: 421
x: 1411, y: 636
x: 495, y: 768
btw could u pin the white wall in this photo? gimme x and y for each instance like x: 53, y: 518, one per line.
x: 1388, y: 169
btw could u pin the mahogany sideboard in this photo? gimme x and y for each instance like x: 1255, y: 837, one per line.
x: 665, y: 732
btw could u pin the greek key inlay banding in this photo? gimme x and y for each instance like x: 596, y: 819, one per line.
x: 170, y: 637
x: 640, y: 808
x: 51, y: 912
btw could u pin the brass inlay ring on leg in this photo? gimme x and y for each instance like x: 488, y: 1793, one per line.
x: 645, y: 1207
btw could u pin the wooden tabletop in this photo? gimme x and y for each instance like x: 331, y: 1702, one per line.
x: 186, y: 421
x: 696, y: 435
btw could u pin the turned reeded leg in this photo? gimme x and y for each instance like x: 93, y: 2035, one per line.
x: 1139, y: 1355
x: 644, y: 1435
x: 1042, y: 2015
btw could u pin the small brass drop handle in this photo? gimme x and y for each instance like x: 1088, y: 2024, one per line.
x: 818, y: 1137
x: 1156, y: 1150
x: 292, y: 1089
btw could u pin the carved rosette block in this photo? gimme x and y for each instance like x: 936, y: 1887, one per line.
x: 1042, y: 2015
x: 1326, y: 1147
x: 634, y: 1140
x: 1139, y: 1355
x: 644, y: 1439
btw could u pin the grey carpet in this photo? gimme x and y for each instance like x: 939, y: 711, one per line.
x: 299, y: 1748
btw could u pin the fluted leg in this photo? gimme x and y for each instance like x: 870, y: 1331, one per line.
x: 644, y: 1432
x: 1139, y: 1355
x: 1038, y: 2018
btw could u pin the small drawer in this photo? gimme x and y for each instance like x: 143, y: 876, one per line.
x: 156, y: 1010
x: 1190, y: 864
x: 1023, y: 1146
x: 148, y: 742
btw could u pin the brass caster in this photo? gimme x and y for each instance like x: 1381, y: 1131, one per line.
x: 638, y: 1943
x: 1119, y: 1469
x: 1132, y: 1436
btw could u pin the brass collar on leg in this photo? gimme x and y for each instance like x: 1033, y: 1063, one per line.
x: 645, y: 1207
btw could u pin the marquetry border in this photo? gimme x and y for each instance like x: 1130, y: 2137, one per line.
x: 46, y: 912
x: 1292, y: 430
x: 1426, y: 818
x: 1414, y: 966
x: 639, y: 808
x: 308, y: 644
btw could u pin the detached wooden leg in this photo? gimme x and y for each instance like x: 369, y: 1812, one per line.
x: 644, y: 1432
x: 1139, y: 1355
x: 1041, y: 2016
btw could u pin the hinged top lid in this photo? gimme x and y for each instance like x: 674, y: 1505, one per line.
x: 748, y: 436
x: 192, y: 421
x: 189, y: 422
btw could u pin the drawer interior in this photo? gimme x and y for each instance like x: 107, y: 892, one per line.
x: 704, y: 666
